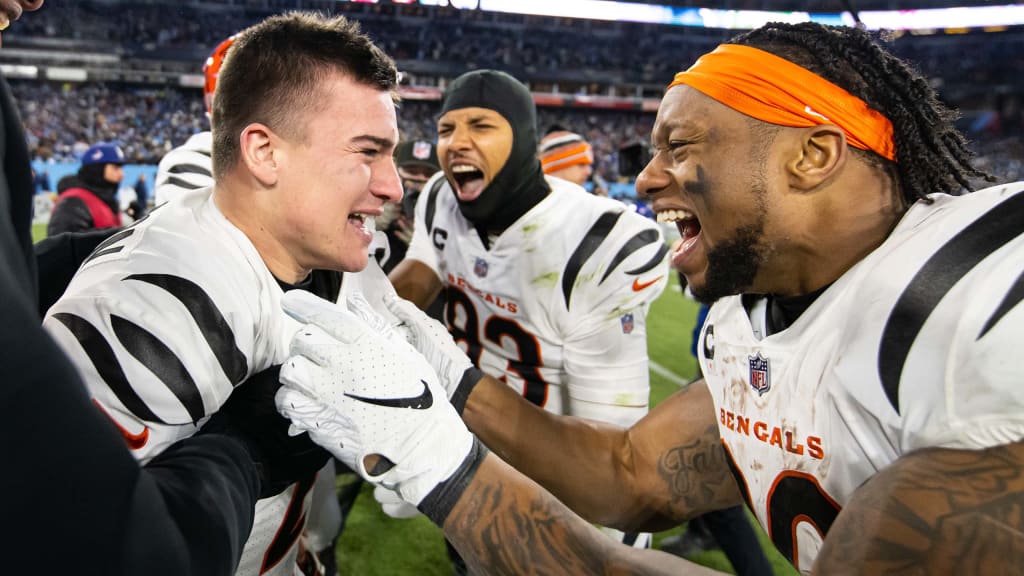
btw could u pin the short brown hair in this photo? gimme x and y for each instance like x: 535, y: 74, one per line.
x: 273, y: 72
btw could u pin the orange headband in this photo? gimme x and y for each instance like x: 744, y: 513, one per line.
x: 777, y: 91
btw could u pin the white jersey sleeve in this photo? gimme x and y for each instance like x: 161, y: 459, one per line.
x: 185, y: 168
x: 164, y: 319
x: 947, y: 328
x: 422, y: 246
x: 605, y: 338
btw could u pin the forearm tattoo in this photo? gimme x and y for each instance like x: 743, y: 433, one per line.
x: 935, y: 512
x: 505, y: 532
x: 698, y: 476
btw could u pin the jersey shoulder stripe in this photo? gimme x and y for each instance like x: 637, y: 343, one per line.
x: 986, y: 234
x: 211, y: 322
x: 1012, y: 298
x: 637, y: 242
x: 105, y: 361
x: 107, y: 246
x: 593, y: 238
x: 162, y: 362
x: 192, y: 168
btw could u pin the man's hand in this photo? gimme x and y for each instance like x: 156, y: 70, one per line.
x: 431, y: 338
x: 375, y: 403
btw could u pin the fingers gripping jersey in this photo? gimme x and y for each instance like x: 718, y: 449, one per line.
x: 163, y: 320
x: 558, y: 304
x: 185, y: 168
x: 916, y: 346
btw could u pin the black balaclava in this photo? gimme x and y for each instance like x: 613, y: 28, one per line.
x: 91, y: 176
x: 520, y: 184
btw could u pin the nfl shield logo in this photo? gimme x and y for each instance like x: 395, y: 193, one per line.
x: 480, y: 267
x: 627, y: 323
x: 421, y: 150
x: 760, y: 374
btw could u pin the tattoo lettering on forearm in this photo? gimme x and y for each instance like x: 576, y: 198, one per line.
x: 505, y: 533
x: 940, y: 512
x: 697, y: 474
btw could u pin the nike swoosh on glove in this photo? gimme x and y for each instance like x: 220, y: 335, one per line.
x: 360, y: 393
x: 431, y: 338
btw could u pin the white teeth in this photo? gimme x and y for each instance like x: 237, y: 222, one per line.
x: 676, y: 215
x: 369, y: 223
x: 463, y: 168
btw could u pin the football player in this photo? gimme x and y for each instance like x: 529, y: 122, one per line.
x: 188, y: 511
x: 170, y: 316
x: 548, y: 287
x: 566, y: 155
x: 189, y: 166
x: 862, y: 388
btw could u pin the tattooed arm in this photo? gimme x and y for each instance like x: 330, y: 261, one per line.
x: 934, y: 511
x: 505, y: 524
x: 668, y: 467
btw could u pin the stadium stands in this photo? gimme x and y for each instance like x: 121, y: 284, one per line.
x: 128, y: 71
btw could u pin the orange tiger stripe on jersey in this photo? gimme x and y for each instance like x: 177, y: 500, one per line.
x: 777, y: 91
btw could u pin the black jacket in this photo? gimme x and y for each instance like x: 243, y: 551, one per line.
x: 76, y: 501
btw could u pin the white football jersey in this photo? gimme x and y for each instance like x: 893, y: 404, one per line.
x: 163, y: 320
x: 915, y: 346
x: 185, y: 168
x: 557, y: 305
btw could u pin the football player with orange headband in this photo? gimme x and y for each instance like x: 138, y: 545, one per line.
x: 861, y: 386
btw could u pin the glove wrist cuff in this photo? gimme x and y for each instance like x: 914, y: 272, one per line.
x: 438, y: 503
x: 469, y: 380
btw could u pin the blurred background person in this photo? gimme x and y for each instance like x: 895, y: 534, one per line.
x: 91, y: 202
x: 189, y: 166
x: 569, y: 156
x: 417, y: 162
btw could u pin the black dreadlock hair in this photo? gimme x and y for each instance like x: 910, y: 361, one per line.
x: 932, y: 155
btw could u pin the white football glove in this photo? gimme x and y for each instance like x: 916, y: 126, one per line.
x: 431, y: 338
x: 393, y: 505
x: 358, y: 393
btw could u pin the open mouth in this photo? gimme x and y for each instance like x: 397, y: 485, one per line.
x: 469, y: 180
x: 364, y: 222
x: 689, y: 230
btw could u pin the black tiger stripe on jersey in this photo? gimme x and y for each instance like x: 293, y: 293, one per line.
x: 214, y: 328
x: 586, y: 248
x: 187, y: 168
x: 105, y: 247
x: 181, y: 183
x: 935, y: 279
x: 428, y: 219
x: 641, y: 239
x: 105, y: 361
x: 1012, y: 298
x: 162, y: 362
x: 651, y: 264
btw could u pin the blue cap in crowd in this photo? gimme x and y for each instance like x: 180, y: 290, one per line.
x: 103, y: 154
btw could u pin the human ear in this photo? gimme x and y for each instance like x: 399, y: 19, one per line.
x: 257, y: 153
x: 819, y: 154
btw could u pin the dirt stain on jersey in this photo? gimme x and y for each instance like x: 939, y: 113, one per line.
x: 547, y: 280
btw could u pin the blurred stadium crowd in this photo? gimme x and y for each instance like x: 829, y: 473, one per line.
x: 141, y: 49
